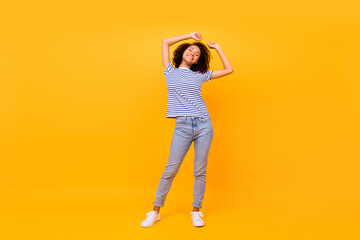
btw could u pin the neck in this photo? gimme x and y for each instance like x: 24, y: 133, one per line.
x: 184, y: 65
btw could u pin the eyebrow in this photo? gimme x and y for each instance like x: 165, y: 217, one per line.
x: 195, y: 51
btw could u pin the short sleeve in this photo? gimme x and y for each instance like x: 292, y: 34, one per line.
x: 169, y: 68
x: 207, y: 75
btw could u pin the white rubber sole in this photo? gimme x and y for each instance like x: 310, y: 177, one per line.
x: 157, y: 218
x: 198, y: 225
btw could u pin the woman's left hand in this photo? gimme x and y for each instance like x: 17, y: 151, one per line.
x: 213, y: 45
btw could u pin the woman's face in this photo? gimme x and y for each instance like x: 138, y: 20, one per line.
x: 192, y: 54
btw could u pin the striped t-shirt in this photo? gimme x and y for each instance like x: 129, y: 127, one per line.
x: 184, y: 92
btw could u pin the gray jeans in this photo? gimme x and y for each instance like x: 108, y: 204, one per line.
x: 187, y: 129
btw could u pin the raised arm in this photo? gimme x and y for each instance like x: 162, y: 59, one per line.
x: 167, y: 42
x: 227, y: 66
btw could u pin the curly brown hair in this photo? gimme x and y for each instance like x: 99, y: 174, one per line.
x: 203, y: 63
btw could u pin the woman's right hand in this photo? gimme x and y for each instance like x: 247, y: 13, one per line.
x: 196, y: 36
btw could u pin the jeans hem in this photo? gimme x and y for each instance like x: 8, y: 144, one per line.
x: 158, y: 206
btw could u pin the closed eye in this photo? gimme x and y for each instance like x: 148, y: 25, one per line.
x: 195, y: 53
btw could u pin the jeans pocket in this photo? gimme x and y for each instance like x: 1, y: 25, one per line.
x: 179, y: 120
x: 204, y: 120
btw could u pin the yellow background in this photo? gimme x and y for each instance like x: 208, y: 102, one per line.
x: 84, y: 138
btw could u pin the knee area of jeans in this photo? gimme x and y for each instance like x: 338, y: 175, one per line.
x: 169, y: 174
x: 199, y: 173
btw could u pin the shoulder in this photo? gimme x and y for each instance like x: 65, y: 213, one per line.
x: 169, y: 67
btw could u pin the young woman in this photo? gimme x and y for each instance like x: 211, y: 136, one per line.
x: 193, y: 123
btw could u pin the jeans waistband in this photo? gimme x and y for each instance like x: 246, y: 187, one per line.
x: 191, y: 117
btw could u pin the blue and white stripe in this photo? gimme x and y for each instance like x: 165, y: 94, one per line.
x: 184, y: 92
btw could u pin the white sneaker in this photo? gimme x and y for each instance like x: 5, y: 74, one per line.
x: 151, y: 218
x: 196, y: 218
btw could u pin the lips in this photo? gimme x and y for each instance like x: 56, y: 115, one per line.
x: 190, y: 57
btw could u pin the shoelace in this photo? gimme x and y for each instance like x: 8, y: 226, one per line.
x: 154, y: 213
x: 200, y: 213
